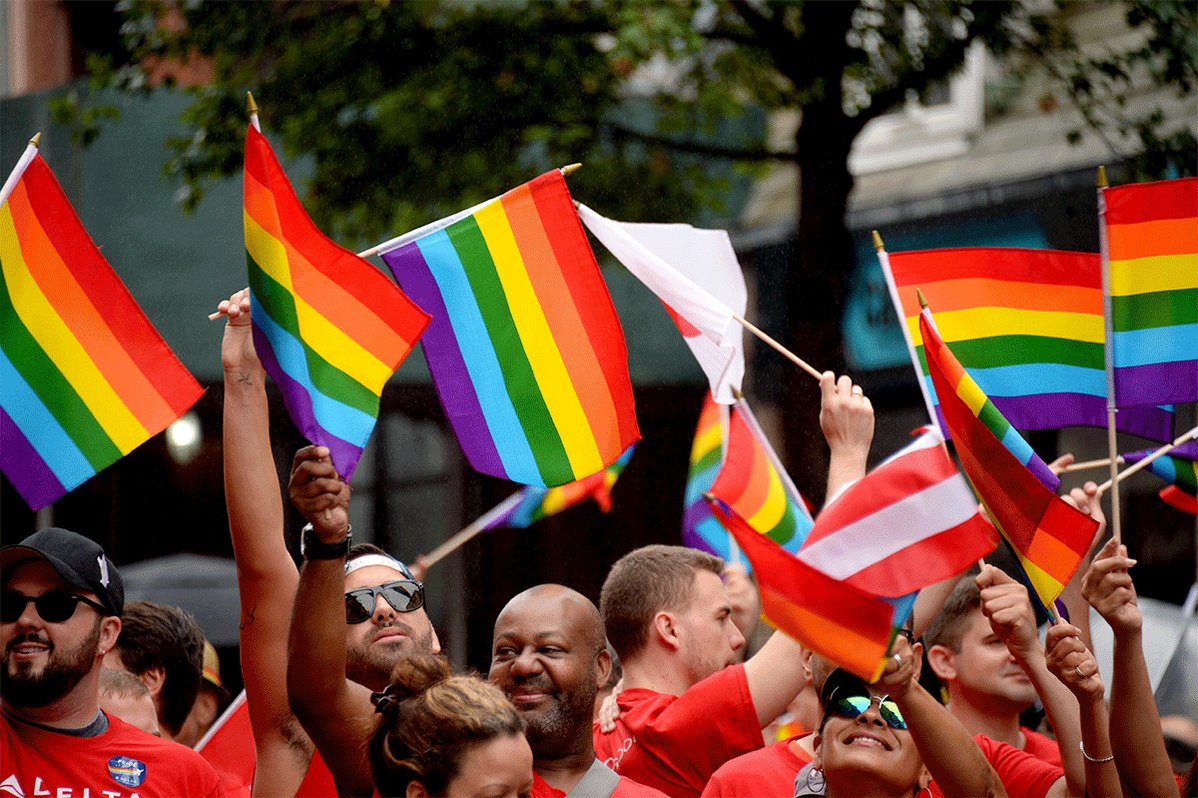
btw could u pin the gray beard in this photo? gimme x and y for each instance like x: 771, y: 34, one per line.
x: 64, y: 669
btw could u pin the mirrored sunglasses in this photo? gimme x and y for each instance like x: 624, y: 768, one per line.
x: 53, y: 607
x: 404, y: 595
x: 851, y: 706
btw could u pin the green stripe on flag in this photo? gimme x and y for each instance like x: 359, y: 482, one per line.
x: 1158, y: 309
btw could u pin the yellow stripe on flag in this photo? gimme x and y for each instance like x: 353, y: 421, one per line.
x: 1149, y: 275
x: 966, y: 325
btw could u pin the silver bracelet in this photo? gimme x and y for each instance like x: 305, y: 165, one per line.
x: 1082, y: 747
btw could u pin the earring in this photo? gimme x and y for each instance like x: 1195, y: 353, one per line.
x: 815, y: 780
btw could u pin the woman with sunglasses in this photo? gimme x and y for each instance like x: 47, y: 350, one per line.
x: 446, y: 735
x: 893, y: 739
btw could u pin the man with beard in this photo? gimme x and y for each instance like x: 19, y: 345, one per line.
x: 357, y: 613
x: 549, y: 657
x: 59, y: 615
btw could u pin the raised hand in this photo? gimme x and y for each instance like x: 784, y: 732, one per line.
x: 1005, y: 604
x: 237, y: 353
x: 319, y: 493
x: 1108, y: 588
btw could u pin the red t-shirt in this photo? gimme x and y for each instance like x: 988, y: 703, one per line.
x: 121, y: 761
x: 627, y: 788
x: 674, y: 743
x: 772, y: 771
x: 1041, y: 747
x: 758, y: 773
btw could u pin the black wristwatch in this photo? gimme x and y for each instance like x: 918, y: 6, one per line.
x: 312, y: 548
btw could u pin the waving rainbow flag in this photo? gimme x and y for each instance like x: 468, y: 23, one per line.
x: 700, y: 529
x: 329, y: 328
x: 1027, y: 323
x: 755, y: 486
x: 525, y: 348
x: 1151, y: 242
x: 1049, y: 537
x: 84, y: 377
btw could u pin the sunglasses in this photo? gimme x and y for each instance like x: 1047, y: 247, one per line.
x: 404, y: 595
x: 852, y: 706
x: 53, y: 607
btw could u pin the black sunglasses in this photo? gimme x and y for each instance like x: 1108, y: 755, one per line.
x: 852, y: 706
x: 53, y: 607
x: 404, y: 595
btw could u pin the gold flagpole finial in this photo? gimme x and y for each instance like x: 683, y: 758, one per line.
x: 878, y: 245
x: 923, y: 300
x: 37, y: 139
x: 1102, y: 181
x: 570, y: 169
x: 251, y: 107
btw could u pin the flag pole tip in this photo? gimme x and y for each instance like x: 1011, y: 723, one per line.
x: 923, y: 300
x: 36, y: 141
x: 878, y: 245
x: 737, y: 393
x: 1102, y: 181
x: 251, y: 107
x: 570, y: 169
x: 709, y: 495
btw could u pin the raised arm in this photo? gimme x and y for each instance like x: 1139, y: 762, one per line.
x: 1075, y: 667
x: 847, y: 420
x: 952, y: 757
x: 266, y: 577
x: 1088, y: 500
x: 335, y: 712
x: 1136, y: 739
x: 1006, y: 605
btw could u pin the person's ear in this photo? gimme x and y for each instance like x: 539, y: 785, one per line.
x: 805, y: 664
x: 943, y: 661
x: 436, y: 641
x: 416, y: 790
x: 110, y: 630
x: 917, y: 665
x: 602, y: 667
x: 666, y: 630
x: 153, y: 679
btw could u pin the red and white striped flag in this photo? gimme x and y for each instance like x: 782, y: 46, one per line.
x: 908, y: 523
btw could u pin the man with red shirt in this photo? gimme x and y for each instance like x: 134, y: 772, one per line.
x: 59, y: 615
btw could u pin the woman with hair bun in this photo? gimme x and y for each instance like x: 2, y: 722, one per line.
x: 445, y: 735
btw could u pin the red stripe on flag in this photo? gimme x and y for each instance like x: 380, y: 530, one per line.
x: 1145, y: 202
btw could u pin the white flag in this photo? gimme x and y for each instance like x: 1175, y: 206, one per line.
x: 696, y: 275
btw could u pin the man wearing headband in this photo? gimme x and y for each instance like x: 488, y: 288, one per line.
x: 60, y: 613
x: 357, y: 613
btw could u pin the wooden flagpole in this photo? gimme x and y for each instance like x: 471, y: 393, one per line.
x: 471, y: 531
x: 1109, y: 357
x: 1086, y: 465
x: 791, y: 356
x: 1113, y: 484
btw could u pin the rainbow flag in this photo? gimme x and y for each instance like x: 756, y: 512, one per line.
x: 1151, y: 244
x: 525, y: 348
x: 1177, y: 468
x: 537, y: 502
x: 853, y: 629
x: 1027, y: 323
x: 700, y: 529
x: 329, y: 327
x: 1049, y: 537
x: 755, y: 486
x: 84, y: 377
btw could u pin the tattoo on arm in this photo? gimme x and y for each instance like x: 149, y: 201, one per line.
x: 248, y: 617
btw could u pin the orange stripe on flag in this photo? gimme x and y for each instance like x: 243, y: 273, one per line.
x: 1153, y: 239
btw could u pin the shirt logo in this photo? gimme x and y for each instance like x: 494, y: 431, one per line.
x: 126, y: 770
x: 10, y: 787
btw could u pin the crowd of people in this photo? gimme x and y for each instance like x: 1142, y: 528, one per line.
x: 667, y: 686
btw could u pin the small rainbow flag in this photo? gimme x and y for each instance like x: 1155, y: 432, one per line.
x: 1049, y: 537
x: 525, y: 348
x: 834, y: 619
x: 537, y: 502
x: 1027, y: 323
x: 700, y: 529
x: 755, y: 486
x: 329, y: 328
x: 1178, y: 469
x: 84, y: 377
x: 1151, y: 242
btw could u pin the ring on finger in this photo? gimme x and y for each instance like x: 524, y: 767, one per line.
x: 898, y: 660
x: 1078, y: 671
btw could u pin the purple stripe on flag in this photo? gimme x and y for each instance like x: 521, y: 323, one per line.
x: 1056, y: 410
x: 448, y: 370
x: 29, y: 474
x: 299, y: 405
x: 1157, y: 383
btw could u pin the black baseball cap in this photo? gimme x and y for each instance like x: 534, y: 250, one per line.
x: 80, y: 561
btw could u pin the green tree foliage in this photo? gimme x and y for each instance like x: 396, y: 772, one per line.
x: 411, y: 110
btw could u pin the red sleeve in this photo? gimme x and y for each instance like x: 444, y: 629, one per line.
x: 1020, y: 773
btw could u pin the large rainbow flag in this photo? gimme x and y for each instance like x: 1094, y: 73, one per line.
x: 525, y: 348
x: 700, y: 529
x: 329, y: 327
x: 1049, y: 537
x: 1027, y: 323
x: 537, y: 503
x: 755, y: 486
x: 829, y: 616
x: 1151, y: 242
x: 84, y: 377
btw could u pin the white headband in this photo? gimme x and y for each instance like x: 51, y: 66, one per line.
x: 367, y: 560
